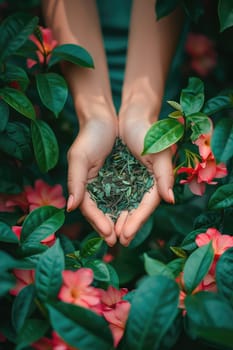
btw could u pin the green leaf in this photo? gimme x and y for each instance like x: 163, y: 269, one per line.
x: 45, y: 145
x: 155, y: 267
x: 176, y: 266
x: 91, y: 247
x: 142, y: 233
x: 210, y: 318
x: 176, y: 106
x: 200, y: 124
x: 188, y: 242
x: 225, y: 14
x: 154, y: 308
x: 16, y: 141
x: 224, y: 276
x: 222, y: 140
x: 71, y: 53
x: 49, y: 272
x: 19, y: 101
x: 53, y: 91
x: 4, y: 112
x: 192, y: 97
x: 222, y: 198
x: 100, y: 269
x: 163, y: 8
x: 162, y: 135
x: 41, y: 223
x: 33, y: 330
x: 9, y: 263
x: 23, y: 307
x: 80, y: 327
x: 217, y: 104
x: 7, y: 282
x: 14, y: 32
x: 179, y: 252
x: 6, y: 234
x: 16, y: 73
x: 197, y: 266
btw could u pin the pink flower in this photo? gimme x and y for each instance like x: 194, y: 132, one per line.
x: 23, y: 279
x: 77, y: 289
x: 117, y: 319
x: 202, y: 174
x: 115, y: 311
x: 56, y: 343
x: 204, y: 144
x: 43, y: 194
x: 202, y: 53
x: 108, y: 258
x: 44, y: 48
x: 49, y: 241
x: 207, y: 284
x: 8, y: 202
x: 220, y: 242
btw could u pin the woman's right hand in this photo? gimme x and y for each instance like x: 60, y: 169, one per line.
x: 86, y: 156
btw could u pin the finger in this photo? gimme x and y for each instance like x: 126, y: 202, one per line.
x: 163, y: 171
x: 102, y: 224
x: 120, y: 222
x: 77, y: 177
x: 138, y: 216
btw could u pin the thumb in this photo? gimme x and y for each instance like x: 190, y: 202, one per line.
x: 164, y: 175
x: 77, y: 178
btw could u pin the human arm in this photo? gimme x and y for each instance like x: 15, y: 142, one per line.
x: 151, y: 48
x: 76, y: 22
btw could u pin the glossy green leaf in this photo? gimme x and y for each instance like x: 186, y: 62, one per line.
x: 16, y: 141
x: 176, y: 106
x: 80, y: 327
x: 33, y: 330
x: 197, y: 266
x: 152, y: 312
x: 7, y: 282
x: 210, y: 318
x: 19, y: 101
x: 91, y: 247
x: 6, y: 234
x: 4, y: 112
x: 222, y: 198
x: 176, y: 266
x: 222, y: 140
x: 162, y: 135
x: 163, y: 8
x: 100, y: 269
x: 192, y: 97
x: 142, y: 234
x: 179, y: 252
x: 224, y: 276
x: 225, y: 14
x: 188, y: 242
x: 200, y: 124
x: 41, y: 223
x: 45, y: 145
x: 14, y: 32
x: 155, y: 267
x: 49, y: 272
x: 216, y: 104
x: 23, y: 306
x: 8, y: 262
x: 14, y: 73
x: 71, y: 53
x: 53, y: 91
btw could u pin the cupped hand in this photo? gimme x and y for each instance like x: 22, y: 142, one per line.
x: 86, y: 156
x: 133, y: 125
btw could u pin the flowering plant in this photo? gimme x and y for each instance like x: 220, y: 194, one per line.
x: 172, y: 288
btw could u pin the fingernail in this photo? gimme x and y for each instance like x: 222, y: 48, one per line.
x: 70, y: 202
x: 171, y: 196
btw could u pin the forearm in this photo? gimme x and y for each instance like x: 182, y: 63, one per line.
x: 77, y: 22
x: 151, y: 48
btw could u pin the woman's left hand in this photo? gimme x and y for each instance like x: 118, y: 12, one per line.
x: 134, y: 122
